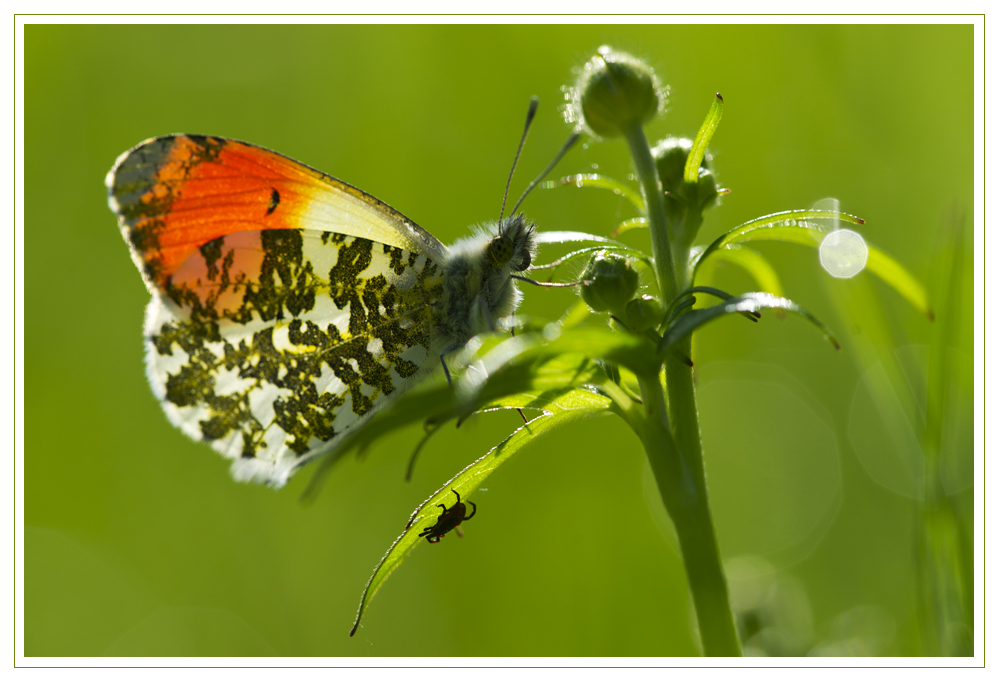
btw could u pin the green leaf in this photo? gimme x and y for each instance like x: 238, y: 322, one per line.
x: 599, y: 181
x: 790, y: 226
x: 571, y: 405
x: 564, y: 236
x: 892, y: 272
x: 432, y: 403
x: 701, y: 140
x: 718, y: 293
x: 785, y: 225
x: 554, y: 358
x: 679, y: 308
x: 630, y: 224
x: 754, y: 301
x: 582, y: 252
x: 699, y: 290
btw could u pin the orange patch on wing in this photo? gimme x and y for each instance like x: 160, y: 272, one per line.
x: 206, y: 188
x: 221, y: 282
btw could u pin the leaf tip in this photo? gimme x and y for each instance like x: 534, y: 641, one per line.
x: 354, y: 629
x: 718, y: 96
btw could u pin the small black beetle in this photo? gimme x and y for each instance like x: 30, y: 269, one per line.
x: 450, y: 518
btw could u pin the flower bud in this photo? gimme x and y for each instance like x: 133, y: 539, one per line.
x: 670, y: 155
x: 611, y: 281
x: 643, y: 313
x: 615, y: 92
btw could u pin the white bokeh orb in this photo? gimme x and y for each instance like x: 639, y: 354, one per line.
x: 843, y: 253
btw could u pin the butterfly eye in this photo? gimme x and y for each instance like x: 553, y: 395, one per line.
x: 524, y: 262
x: 500, y: 251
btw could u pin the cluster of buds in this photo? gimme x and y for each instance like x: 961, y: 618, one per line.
x: 610, y: 285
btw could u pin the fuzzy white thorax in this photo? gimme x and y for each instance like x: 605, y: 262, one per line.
x: 478, y: 291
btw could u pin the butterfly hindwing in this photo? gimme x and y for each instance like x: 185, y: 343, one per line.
x: 271, y: 344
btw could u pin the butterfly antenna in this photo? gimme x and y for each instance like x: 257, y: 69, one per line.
x: 532, y: 108
x: 562, y: 152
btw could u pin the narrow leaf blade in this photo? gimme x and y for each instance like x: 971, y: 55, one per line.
x: 563, y: 236
x: 791, y: 228
x: 892, y: 272
x: 775, y: 222
x: 688, y: 322
x: 601, y: 182
x: 578, y: 404
x: 702, y: 139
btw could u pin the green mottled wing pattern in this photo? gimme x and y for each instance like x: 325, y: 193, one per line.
x: 270, y: 345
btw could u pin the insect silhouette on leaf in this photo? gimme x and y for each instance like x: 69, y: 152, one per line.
x: 449, y: 519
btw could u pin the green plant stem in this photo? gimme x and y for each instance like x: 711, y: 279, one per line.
x: 682, y: 489
x: 652, y: 192
x: 677, y: 462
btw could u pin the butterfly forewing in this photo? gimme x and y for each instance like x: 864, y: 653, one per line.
x: 175, y: 193
x: 287, y: 305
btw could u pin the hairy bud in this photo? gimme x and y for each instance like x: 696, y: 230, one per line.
x: 615, y: 91
x: 611, y: 281
x: 643, y: 313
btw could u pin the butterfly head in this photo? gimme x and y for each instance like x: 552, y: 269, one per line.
x: 514, y: 244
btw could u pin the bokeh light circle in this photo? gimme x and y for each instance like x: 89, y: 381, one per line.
x: 843, y: 253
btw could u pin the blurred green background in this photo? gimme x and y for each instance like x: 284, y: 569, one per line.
x: 137, y: 542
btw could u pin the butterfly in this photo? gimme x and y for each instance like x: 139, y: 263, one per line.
x: 288, y: 307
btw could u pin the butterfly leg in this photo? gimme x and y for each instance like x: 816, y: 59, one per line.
x: 519, y: 411
x: 473, y: 510
x: 447, y: 375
